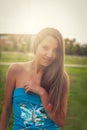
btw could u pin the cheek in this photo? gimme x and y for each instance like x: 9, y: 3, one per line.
x: 54, y: 56
x: 39, y: 51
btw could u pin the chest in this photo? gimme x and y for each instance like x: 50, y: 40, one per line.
x: 26, y: 76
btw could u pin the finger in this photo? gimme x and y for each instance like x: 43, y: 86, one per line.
x: 28, y: 87
x: 27, y: 90
x: 28, y: 83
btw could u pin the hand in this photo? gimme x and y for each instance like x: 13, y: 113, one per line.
x: 33, y: 87
x: 27, y: 86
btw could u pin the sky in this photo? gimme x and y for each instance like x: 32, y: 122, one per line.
x: 30, y: 16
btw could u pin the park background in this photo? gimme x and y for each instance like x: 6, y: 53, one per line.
x: 19, y: 48
x: 21, y: 20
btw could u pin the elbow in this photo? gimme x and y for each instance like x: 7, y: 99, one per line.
x: 60, y: 121
x: 7, y: 109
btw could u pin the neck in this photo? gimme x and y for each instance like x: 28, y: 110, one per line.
x: 36, y: 67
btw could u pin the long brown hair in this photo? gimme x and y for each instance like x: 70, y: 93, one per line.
x: 54, y: 78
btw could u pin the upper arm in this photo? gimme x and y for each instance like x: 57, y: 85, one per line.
x: 9, y: 86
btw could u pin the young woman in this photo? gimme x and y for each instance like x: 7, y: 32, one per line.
x: 38, y: 90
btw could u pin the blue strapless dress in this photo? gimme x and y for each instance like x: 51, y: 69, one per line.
x: 29, y: 113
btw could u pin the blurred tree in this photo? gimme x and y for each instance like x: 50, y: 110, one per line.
x: 84, y: 49
x: 25, y: 42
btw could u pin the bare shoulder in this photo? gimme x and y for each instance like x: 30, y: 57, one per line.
x: 13, y: 68
x: 18, y: 67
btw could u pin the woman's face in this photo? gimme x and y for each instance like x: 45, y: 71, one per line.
x: 46, y: 51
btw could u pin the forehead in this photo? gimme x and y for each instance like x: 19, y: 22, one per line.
x: 50, y: 41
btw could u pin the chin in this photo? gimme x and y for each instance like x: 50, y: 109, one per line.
x: 45, y: 64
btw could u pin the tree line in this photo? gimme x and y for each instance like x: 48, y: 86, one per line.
x: 24, y: 43
x: 72, y: 47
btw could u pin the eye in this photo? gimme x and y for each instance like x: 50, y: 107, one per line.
x: 45, y: 48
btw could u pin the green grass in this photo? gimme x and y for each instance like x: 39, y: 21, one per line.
x: 15, y: 57
x: 77, y: 101
x: 20, y: 57
x: 3, y: 70
x: 76, y: 60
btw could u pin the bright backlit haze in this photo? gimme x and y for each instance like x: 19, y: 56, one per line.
x: 30, y: 16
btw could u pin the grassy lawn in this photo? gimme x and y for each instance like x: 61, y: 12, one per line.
x: 15, y: 57
x: 82, y: 60
x: 77, y: 101
x: 20, y: 57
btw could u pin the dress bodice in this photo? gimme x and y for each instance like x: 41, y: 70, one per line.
x: 29, y: 113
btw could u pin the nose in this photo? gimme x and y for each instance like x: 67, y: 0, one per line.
x: 50, y: 54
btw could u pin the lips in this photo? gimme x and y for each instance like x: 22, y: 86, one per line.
x: 47, y: 60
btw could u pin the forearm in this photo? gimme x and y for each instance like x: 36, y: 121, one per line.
x: 46, y: 103
x: 44, y: 98
x: 4, y: 120
x: 60, y: 118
